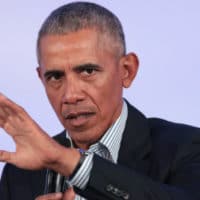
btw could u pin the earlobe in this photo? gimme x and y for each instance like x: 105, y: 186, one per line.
x: 130, y: 64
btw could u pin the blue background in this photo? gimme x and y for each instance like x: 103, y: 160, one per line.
x: 164, y: 34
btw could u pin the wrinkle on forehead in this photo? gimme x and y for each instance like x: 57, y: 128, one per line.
x: 103, y: 42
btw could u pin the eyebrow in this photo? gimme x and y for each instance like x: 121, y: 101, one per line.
x: 86, y: 65
x: 75, y: 68
x: 52, y: 72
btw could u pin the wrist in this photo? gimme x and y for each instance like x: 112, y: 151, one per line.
x: 83, y: 155
x: 66, y: 161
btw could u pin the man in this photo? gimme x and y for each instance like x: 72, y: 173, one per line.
x: 113, y: 151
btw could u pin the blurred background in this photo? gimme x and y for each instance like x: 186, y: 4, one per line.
x: 164, y: 34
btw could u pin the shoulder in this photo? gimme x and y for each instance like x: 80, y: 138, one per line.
x: 60, y: 136
x: 173, y: 131
x: 62, y: 139
x: 162, y: 130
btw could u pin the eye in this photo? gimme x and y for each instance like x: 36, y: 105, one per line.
x: 53, y: 75
x: 88, y: 69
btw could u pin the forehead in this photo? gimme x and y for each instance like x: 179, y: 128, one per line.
x: 84, y: 44
x: 75, y: 40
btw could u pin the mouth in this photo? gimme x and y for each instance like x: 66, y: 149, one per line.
x: 78, y: 119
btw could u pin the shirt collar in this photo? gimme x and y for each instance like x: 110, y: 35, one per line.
x: 113, y: 136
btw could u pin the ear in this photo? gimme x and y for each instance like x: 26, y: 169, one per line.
x: 129, y: 65
x: 39, y: 72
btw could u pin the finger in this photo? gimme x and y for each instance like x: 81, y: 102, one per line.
x: 69, y: 194
x: 13, y: 118
x: 4, y: 112
x: 2, y: 122
x: 5, y: 116
x: 9, y: 112
x: 4, y: 101
x: 52, y: 196
x: 5, y: 156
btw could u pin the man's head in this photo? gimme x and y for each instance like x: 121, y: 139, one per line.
x: 83, y: 15
x: 83, y: 66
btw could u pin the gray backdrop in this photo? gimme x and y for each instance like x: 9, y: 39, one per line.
x: 164, y: 34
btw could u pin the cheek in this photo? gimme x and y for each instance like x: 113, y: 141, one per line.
x: 54, y: 99
x: 111, y: 86
x: 106, y: 93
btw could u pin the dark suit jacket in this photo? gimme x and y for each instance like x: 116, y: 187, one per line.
x: 158, y: 160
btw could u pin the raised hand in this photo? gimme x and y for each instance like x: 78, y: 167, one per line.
x: 34, y: 148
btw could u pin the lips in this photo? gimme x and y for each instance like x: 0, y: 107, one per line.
x: 77, y: 119
x: 77, y: 115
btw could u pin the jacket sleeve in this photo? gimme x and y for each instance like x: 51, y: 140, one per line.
x: 117, y: 182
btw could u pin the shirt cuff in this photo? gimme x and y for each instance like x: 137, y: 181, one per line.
x: 82, y: 176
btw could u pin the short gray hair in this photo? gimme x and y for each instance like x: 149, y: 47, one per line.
x: 76, y: 16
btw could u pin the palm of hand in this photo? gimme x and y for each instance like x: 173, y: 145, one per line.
x: 31, y: 141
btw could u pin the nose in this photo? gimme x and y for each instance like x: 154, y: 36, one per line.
x: 72, y: 91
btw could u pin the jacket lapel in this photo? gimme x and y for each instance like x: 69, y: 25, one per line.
x: 136, y: 143
x: 61, y: 139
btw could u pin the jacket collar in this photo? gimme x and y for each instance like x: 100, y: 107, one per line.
x: 136, y: 142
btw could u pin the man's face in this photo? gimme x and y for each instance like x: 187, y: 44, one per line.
x: 83, y: 81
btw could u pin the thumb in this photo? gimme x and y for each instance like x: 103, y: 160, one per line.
x: 6, y: 156
x: 50, y: 196
x: 69, y: 194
